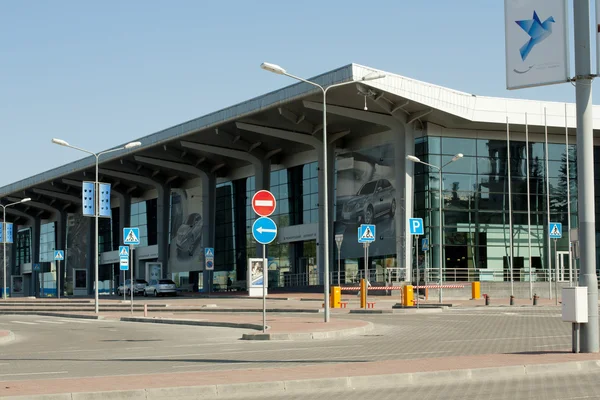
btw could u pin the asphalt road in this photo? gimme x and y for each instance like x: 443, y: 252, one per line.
x: 549, y: 387
x: 48, y: 347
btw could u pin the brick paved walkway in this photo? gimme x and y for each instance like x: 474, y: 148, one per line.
x: 130, y: 382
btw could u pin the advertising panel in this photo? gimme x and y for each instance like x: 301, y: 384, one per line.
x: 186, y: 250
x: 537, y: 50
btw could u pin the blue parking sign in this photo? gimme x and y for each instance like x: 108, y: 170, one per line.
x: 415, y: 226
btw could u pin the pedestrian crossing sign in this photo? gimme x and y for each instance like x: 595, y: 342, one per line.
x: 366, y: 233
x: 131, y: 235
x: 123, y: 251
x: 555, y: 230
x: 59, y: 255
x: 209, y: 252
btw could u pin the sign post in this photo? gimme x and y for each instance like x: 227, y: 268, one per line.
x: 264, y: 231
x: 209, y: 265
x: 555, y: 232
x: 366, y: 236
x: 124, y: 266
x: 425, y: 246
x: 59, y: 255
x: 416, y: 228
x: 132, y: 238
x: 339, y: 239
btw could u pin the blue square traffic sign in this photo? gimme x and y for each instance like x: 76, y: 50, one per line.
x: 366, y: 233
x: 131, y: 235
x: 59, y: 255
x: 555, y: 230
x: 425, y: 244
x: 415, y: 226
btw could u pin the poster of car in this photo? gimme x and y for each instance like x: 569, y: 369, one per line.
x: 365, y: 194
x: 186, y: 251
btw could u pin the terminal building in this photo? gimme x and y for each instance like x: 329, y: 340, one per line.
x: 189, y: 187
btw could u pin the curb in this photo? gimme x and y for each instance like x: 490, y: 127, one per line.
x: 349, y: 383
x: 7, y: 338
x: 51, y: 314
x: 399, y: 311
x: 310, y: 335
x: 191, y: 322
x: 251, y: 310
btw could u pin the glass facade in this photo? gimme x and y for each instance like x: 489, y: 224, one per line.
x: 24, y: 246
x: 477, y: 203
x: 139, y: 218
x: 47, y: 242
x: 310, y: 193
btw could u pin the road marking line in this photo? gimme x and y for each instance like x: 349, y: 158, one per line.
x: 74, y: 320
x: 37, y: 373
x: 49, y: 322
x: 23, y: 322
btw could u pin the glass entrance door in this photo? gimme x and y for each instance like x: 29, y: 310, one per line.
x: 564, y: 272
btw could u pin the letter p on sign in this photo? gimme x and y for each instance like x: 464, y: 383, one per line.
x: 416, y: 226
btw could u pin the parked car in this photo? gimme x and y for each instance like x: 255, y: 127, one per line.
x: 161, y: 287
x: 374, y: 199
x: 138, y: 287
x: 189, y: 233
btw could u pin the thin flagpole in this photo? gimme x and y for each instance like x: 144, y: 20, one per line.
x: 528, y: 206
x: 549, y: 266
x: 568, y: 195
x: 510, y: 224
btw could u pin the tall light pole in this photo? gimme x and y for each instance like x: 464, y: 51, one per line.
x: 441, y: 257
x: 375, y: 75
x: 4, y: 207
x: 131, y: 145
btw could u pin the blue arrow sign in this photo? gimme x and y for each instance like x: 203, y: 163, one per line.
x: 264, y: 230
x: 131, y: 235
x: 59, y: 255
x: 425, y: 244
x: 555, y: 230
x: 366, y: 233
x: 415, y: 226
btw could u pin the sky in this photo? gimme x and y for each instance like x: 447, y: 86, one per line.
x: 101, y: 73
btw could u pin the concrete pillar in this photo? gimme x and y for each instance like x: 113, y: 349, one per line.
x: 209, y: 212
x: 404, y: 145
x: 124, y: 214
x: 61, y: 241
x: 35, y: 254
x: 330, y: 192
x: 163, y: 211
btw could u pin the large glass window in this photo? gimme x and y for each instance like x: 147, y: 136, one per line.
x: 477, y: 201
x: 47, y: 242
x: 139, y: 218
x: 24, y: 246
x: 310, y: 193
x: 225, y: 259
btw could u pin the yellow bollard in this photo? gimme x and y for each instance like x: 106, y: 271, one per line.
x: 408, y: 296
x: 363, y: 293
x: 335, y: 297
x: 476, y: 290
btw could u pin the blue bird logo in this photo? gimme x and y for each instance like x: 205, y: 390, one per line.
x: 537, y: 30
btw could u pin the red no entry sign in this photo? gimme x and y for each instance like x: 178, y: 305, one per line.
x: 263, y: 203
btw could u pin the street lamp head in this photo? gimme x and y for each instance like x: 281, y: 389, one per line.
x: 25, y: 200
x: 132, y: 145
x: 60, y: 142
x: 413, y: 159
x: 272, y: 68
x: 373, y: 76
x: 457, y: 157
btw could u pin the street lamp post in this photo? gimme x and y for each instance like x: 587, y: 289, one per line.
x: 280, y: 71
x: 441, y: 232
x: 131, y: 145
x: 4, y: 207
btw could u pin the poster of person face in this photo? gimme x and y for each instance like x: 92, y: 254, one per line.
x: 186, y: 251
x: 365, y: 194
x: 255, y: 272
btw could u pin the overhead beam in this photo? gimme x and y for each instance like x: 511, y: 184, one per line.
x: 334, y: 137
x: 222, y: 151
x: 280, y: 133
x: 360, y: 115
x: 127, y: 176
x: 418, y: 115
x: 57, y: 195
x: 172, y: 165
